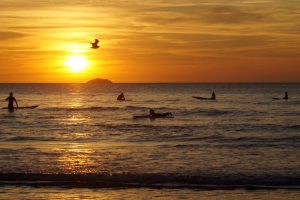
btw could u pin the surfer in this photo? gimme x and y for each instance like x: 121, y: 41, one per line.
x: 153, y: 114
x: 11, y: 99
x: 121, y: 97
x: 213, y: 96
x: 286, y: 96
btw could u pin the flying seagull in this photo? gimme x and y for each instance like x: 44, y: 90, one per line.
x: 95, y: 44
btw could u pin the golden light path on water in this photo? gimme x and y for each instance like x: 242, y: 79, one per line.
x: 76, y: 158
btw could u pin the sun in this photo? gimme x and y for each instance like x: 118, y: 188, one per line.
x: 76, y: 63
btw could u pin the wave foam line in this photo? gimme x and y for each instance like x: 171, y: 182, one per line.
x: 151, y: 181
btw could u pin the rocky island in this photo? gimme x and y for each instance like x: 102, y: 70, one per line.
x: 99, y: 81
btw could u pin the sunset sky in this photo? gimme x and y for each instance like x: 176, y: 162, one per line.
x: 150, y: 40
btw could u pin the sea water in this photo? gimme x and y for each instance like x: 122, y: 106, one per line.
x: 83, y: 143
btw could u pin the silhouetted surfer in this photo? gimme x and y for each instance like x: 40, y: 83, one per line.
x: 153, y: 114
x: 11, y: 99
x: 213, y: 96
x: 121, y: 97
x: 95, y: 44
x: 286, y: 96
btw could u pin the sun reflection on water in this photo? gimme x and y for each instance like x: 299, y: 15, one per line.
x: 77, y: 158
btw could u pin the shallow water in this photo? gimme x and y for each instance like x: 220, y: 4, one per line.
x: 12, y: 192
x: 243, y: 139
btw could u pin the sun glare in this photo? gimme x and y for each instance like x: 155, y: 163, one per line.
x: 76, y: 63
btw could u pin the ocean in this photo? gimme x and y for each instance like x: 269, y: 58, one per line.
x: 81, y: 143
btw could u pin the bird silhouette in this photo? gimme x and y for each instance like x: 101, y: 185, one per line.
x: 95, y: 44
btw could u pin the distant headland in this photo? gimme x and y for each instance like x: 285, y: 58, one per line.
x: 99, y: 81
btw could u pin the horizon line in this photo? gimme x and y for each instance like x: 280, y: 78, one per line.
x: 277, y: 82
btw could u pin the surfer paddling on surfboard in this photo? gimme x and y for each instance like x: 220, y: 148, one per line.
x: 11, y: 99
x: 154, y: 115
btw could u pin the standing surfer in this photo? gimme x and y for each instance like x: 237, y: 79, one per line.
x: 286, y: 96
x: 213, y: 95
x: 11, y: 99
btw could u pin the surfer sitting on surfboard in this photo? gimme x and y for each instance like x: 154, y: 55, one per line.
x: 121, y: 97
x: 11, y: 99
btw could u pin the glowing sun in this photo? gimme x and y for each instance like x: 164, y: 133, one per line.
x: 76, y: 63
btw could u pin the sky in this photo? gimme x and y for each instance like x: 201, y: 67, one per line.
x: 150, y: 40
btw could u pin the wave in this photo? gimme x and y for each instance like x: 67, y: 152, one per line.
x: 135, y: 108
x: 232, y: 112
x: 259, y: 127
x: 95, y: 108
x: 159, y: 101
x: 250, y: 142
x: 177, y: 111
x: 25, y: 138
x: 172, y: 100
x: 209, y: 112
x: 103, y: 108
x: 294, y: 127
x: 163, y: 180
x: 294, y: 102
x: 156, y: 129
x: 220, y: 141
x: 295, y: 113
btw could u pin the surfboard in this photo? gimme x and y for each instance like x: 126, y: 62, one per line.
x: 202, y: 98
x: 23, y: 107
x: 140, y: 116
x: 276, y: 99
x: 159, y: 115
x: 124, y: 100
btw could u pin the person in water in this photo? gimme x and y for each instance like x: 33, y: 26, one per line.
x: 121, y: 97
x: 286, y: 96
x: 213, y: 95
x: 11, y: 99
x: 153, y: 114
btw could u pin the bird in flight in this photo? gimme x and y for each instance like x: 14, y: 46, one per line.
x: 95, y: 44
